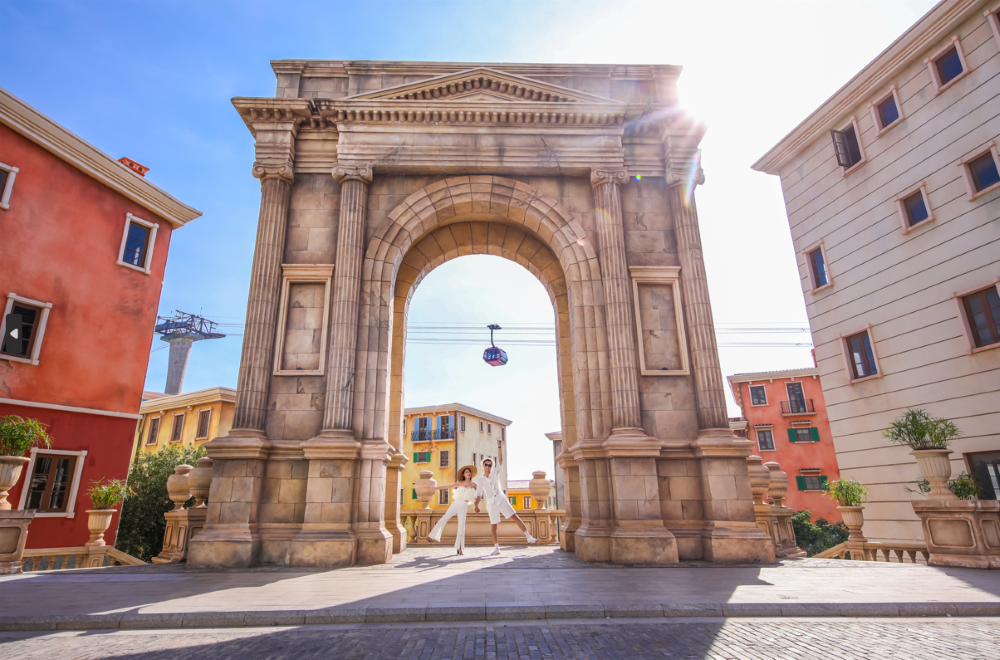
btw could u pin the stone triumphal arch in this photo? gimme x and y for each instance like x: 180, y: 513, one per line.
x: 374, y: 173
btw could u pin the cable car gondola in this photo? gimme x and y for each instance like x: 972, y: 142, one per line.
x: 493, y: 355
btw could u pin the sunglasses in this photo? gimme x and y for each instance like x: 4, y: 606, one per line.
x: 487, y: 465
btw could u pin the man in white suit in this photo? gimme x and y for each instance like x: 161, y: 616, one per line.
x: 488, y: 488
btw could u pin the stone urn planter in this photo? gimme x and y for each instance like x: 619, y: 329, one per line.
x: 936, y: 468
x: 98, y: 521
x: 200, y: 481
x: 854, y: 518
x: 778, y: 484
x: 425, y: 486
x: 760, y: 478
x: 540, y: 489
x: 10, y: 473
x: 178, y: 489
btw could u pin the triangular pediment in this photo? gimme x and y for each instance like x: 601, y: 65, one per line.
x: 483, y: 85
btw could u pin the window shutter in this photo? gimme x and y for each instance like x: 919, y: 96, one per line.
x: 814, y: 434
x: 824, y: 482
x: 416, y: 458
x: 414, y: 493
x: 841, y: 148
x: 791, y: 435
x: 800, y: 483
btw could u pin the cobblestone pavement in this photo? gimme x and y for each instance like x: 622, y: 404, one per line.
x: 715, y: 639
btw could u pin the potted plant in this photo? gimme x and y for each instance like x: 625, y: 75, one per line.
x: 17, y: 436
x: 850, y: 494
x: 104, y: 498
x: 929, y: 438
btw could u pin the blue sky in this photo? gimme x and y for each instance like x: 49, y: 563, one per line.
x: 152, y: 81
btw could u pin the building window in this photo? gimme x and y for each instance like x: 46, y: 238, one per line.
x: 887, y: 111
x: 527, y: 502
x: 475, y: 459
x: 803, y: 434
x: 860, y: 355
x: 34, y: 316
x: 444, y: 428
x: 513, y: 500
x: 981, y: 171
x: 765, y: 439
x: 758, y: 396
x: 982, y: 313
x: 503, y: 433
x: 51, y: 482
x: 914, y: 207
x: 810, y: 482
x: 947, y: 66
x: 138, y: 242
x: 480, y: 426
x: 154, y: 431
x: 7, y: 175
x: 993, y: 16
x: 204, y: 417
x: 443, y: 496
x: 847, y: 146
x: 444, y: 458
x: 818, y: 267
x: 404, y: 426
x: 422, y: 457
x: 177, y: 428
x: 489, y: 428
x: 402, y: 495
x: 463, y: 424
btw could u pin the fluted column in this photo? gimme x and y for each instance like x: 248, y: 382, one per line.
x: 257, y: 360
x: 711, y: 401
x: 617, y: 298
x: 354, y: 183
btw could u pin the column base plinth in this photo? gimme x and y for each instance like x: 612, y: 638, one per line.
x: 374, y: 547
x: 738, y: 544
x: 224, y: 546
x: 721, y: 443
x: 592, y: 543
x: 323, y: 549
x: 643, y: 542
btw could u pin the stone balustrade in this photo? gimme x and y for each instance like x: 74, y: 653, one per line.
x: 774, y: 519
x: 540, y: 523
x: 183, y: 524
x: 872, y: 550
x: 50, y: 559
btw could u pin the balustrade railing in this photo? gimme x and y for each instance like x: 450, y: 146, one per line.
x: 797, y: 407
x: 877, y: 551
x: 48, y: 559
x: 427, y: 435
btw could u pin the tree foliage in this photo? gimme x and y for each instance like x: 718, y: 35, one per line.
x: 140, y: 532
x: 816, y: 537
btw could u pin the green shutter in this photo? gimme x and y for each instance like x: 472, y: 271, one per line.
x: 814, y: 433
x: 414, y: 493
x: 416, y: 457
x: 824, y: 483
x: 791, y: 435
x: 800, y: 483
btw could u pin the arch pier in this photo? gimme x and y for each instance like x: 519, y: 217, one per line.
x: 372, y: 175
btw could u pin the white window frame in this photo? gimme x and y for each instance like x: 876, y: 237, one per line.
x: 441, y: 454
x: 821, y: 246
x: 931, y: 63
x: 966, y: 326
x: 847, y: 355
x: 669, y: 275
x: 970, y: 185
x: 770, y: 429
x: 36, y: 348
x: 173, y: 425
x: 74, y: 488
x: 147, y: 267
x: 208, y: 426
x: 877, y: 119
x: 901, y: 208
x: 861, y: 147
x: 302, y: 274
x: 9, y: 186
x: 159, y: 419
x: 991, y: 18
x: 750, y: 387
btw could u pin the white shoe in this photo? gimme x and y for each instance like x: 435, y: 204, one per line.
x: 531, y: 539
x: 496, y: 551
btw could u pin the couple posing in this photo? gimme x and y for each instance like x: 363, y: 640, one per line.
x: 488, y: 488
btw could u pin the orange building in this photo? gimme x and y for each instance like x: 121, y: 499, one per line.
x: 83, y: 247
x: 787, y: 420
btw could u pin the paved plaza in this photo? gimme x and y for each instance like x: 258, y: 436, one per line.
x: 742, y: 639
x: 430, y: 584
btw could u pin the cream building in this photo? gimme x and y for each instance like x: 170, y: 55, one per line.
x: 442, y: 439
x: 893, y: 198
x: 188, y: 419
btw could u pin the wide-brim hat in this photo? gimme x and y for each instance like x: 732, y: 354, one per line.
x: 461, y: 471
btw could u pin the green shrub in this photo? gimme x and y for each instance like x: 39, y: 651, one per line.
x: 18, y: 435
x: 140, y: 532
x: 965, y: 486
x: 848, y: 492
x: 816, y: 537
x: 918, y: 430
x: 107, y: 496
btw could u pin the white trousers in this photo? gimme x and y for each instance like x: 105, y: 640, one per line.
x: 459, y: 509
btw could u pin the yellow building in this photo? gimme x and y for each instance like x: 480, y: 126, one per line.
x: 444, y: 438
x: 520, y: 495
x: 189, y: 419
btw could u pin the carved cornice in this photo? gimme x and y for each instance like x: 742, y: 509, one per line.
x: 283, y: 114
x: 344, y: 173
x: 268, y: 171
x: 602, y: 175
x: 475, y: 112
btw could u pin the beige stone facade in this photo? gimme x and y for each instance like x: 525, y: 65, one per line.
x: 380, y: 172
x: 905, y: 239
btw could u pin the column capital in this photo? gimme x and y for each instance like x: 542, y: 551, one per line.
x: 281, y: 171
x: 681, y: 173
x: 600, y: 175
x: 344, y: 173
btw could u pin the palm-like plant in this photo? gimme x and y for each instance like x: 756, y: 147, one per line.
x: 848, y: 492
x: 919, y: 430
x: 107, y: 496
x: 18, y: 435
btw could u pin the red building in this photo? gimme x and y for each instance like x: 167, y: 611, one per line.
x: 786, y: 418
x: 83, y: 247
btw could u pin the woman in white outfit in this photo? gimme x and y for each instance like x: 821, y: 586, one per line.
x: 465, y: 493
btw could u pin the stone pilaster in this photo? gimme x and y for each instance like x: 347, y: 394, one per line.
x: 393, y: 481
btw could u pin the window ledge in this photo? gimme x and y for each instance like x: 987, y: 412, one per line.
x: 5, y: 207
x: 62, y: 514
x: 883, y: 131
x: 861, y: 380
x: 851, y: 170
x: 133, y: 267
x: 768, y: 450
x: 922, y: 223
x: 984, y: 191
x: 15, y: 358
x: 820, y: 288
x: 980, y: 349
x: 951, y: 82
x: 798, y: 414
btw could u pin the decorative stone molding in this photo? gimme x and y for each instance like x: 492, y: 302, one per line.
x: 468, y: 112
x: 599, y: 176
x: 361, y: 173
x: 268, y: 171
x: 668, y: 276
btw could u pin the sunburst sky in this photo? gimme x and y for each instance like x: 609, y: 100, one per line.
x: 152, y: 81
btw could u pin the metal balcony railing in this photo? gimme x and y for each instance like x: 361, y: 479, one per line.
x: 427, y: 435
x: 801, y: 407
